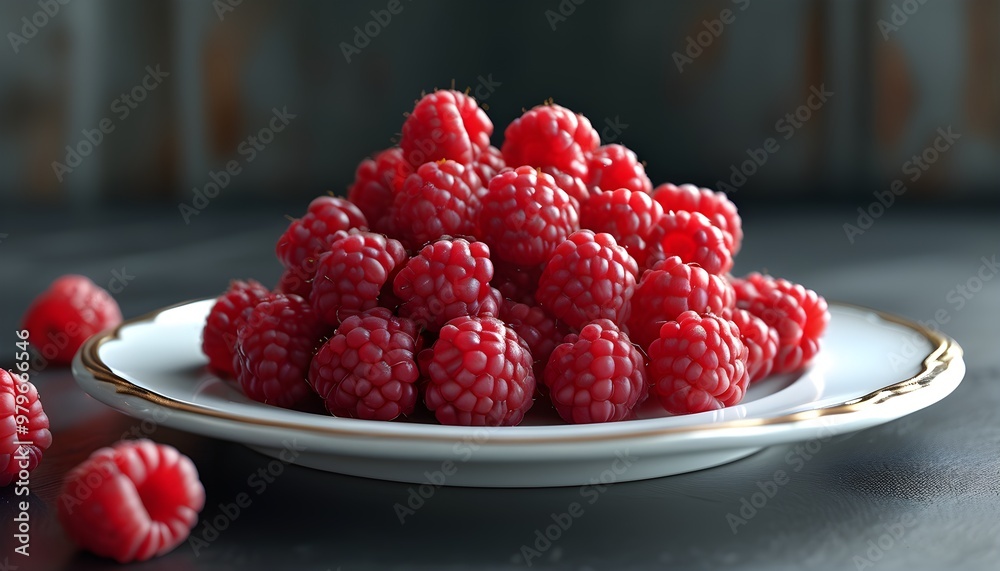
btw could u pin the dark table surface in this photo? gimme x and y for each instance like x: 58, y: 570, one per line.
x: 931, y: 478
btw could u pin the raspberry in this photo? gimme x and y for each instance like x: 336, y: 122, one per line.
x: 62, y: 317
x: 435, y: 201
x: 691, y: 236
x: 447, y: 279
x: 480, y: 374
x: 367, y: 369
x: 668, y: 290
x: 588, y: 277
x: 224, y: 320
x: 596, y: 376
x: 308, y: 237
x: 515, y: 282
x: 550, y: 136
x: 22, y: 420
x: 132, y: 501
x: 445, y: 125
x: 350, y: 277
x: 297, y: 280
x: 615, y: 166
x: 571, y: 185
x: 273, y: 350
x: 487, y: 166
x: 627, y: 215
x: 540, y: 331
x: 698, y: 363
x: 376, y: 182
x: 799, y: 315
x: 525, y: 216
x: 716, y: 206
x: 761, y: 342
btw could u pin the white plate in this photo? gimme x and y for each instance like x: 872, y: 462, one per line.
x: 872, y: 368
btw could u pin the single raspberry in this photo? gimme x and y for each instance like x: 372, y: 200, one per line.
x: 445, y: 280
x: 22, y: 420
x: 273, y: 351
x: 550, y: 136
x: 435, y: 201
x: 376, y: 182
x: 350, y: 277
x: 744, y: 289
x: 716, y: 206
x: 668, y: 290
x: 615, y: 166
x: 799, y: 315
x: 627, y: 215
x: 367, y: 369
x: 488, y: 165
x: 698, y: 363
x: 479, y: 374
x: 308, y: 237
x: 132, y: 501
x: 525, y: 216
x: 596, y: 376
x: 298, y: 280
x: 517, y: 283
x: 540, y: 331
x: 218, y: 337
x: 445, y: 125
x: 571, y: 185
x: 691, y: 236
x: 62, y: 317
x: 761, y: 341
x: 588, y: 277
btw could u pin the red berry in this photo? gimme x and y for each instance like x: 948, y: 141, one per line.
x: 540, y: 331
x: 615, y: 166
x: 224, y: 320
x: 297, y: 280
x: 133, y: 501
x: 480, y: 374
x: 525, y: 216
x: 445, y: 125
x: 627, y: 215
x: 308, y: 237
x: 367, y: 369
x: 596, y: 376
x: 23, y: 421
x: 350, y: 277
x: 435, y: 201
x: 761, y: 341
x: 62, y: 317
x: 376, y: 182
x: 550, y: 136
x: 691, y: 236
x: 698, y: 364
x: 571, y: 185
x: 716, y: 206
x: 588, y: 277
x: 487, y: 166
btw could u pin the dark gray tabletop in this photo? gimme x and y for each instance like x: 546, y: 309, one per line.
x: 921, y: 492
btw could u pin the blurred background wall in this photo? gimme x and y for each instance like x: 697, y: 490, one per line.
x: 109, y: 101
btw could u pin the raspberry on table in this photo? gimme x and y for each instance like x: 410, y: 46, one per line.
x: 550, y: 136
x: 596, y: 376
x: 308, y: 237
x: 20, y: 399
x: 588, y: 277
x: 218, y: 337
x: 132, y: 501
x: 761, y: 341
x: 716, y: 206
x: 445, y: 124
x: 487, y: 166
x: 525, y: 216
x: 435, y: 201
x: 480, y: 374
x: 571, y: 185
x: 376, y: 182
x: 540, y: 331
x: 367, y: 369
x: 691, y: 236
x: 615, y: 166
x: 627, y: 215
x: 698, y: 363
x: 62, y: 317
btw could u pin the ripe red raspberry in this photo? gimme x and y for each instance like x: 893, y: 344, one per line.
x: 487, y: 166
x: 445, y: 280
x: 596, y: 376
x: 376, y: 182
x: 761, y: 341
x: 273, y: 351
x: 540, y: 331
x: 308, y: 237
x: 627, y: 215
x: 445, y: 125
x: 691, y: 236
x: 62, y: 317
x: 615, y: 166
x: 588, y: 277
x: 525, y: 216
x: 550, y: 136
x: 435, y: 201
x: 297, y: 280
x: 132, y: 501
x: 22, y: 420
x: 716, y: 206
x: 799, y: 315
x: 367, y: 369
x: 698, y: 363
x: 571, y: 185
x: 224, y: 320
x: 515, y: 282
x: 669, y: 289
x: 350, y: 277
x: 479, y: 374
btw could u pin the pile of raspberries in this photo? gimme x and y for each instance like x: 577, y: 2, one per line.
x: 478, y: 282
